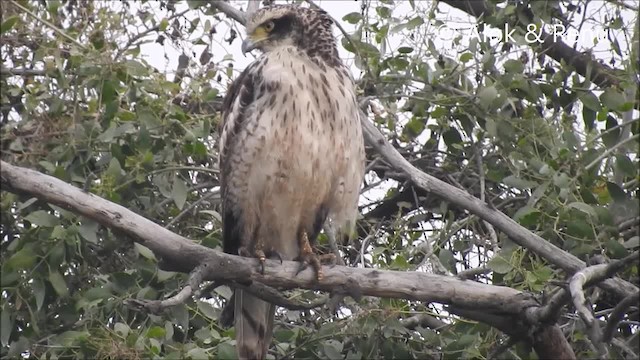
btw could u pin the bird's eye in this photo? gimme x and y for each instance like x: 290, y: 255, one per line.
x: 269, y: 26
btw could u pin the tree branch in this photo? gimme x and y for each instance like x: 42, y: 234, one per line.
x: 184, y: 255
x: 584, y: 64
x: 461, y: 198
x: 617, y: 315
x: 229, y: 10
x: 586, y: 313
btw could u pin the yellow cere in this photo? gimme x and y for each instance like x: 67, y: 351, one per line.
x: 259, y: 34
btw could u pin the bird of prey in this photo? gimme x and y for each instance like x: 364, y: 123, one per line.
x: 291, y: 153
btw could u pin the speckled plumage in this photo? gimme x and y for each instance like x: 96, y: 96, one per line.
x: 291, y: 151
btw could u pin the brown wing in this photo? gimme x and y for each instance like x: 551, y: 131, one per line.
x: 239, y: 97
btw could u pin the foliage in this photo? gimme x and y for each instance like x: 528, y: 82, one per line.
x: 80, y: 101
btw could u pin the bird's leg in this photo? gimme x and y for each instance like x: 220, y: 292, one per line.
x: 309, y: 257
x: 260, y: 254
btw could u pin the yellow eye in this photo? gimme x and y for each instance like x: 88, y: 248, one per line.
x: 268, y: 27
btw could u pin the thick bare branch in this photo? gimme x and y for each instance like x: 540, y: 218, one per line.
x: 184, y: 255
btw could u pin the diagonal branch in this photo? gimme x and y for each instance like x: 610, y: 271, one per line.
x: 461, y: 198
x: 584, y: 64
x: 618, y: 313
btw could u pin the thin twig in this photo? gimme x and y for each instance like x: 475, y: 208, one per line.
x: 22, y: 72
x: 156, y: 306
x: 493, y: 237
x: 48, y: 24
x: 146, y: 32
x: 610, y: 150
x: 189, y: 208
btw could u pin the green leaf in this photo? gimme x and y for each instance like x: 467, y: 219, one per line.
x: 109, y: 92
x: 352, y: 18
x: 405, y: 50
x: 617, y: 194
x: 415, y: 127
x: 148, y: 118
x: 156, y: 332
x: 487, y: 95
x: 332, y: 349
x: 58, y: 283
x: 514, y: 66
x: 466, y: 57
x: 414, y: 23
x: 179, y: 193
x: 114, y: 170
x: 585, y: 208
x: 527, y: 216
x: 39, y: 291
x: 97, y: 293
x: 451, y: 137
x: 121, y: 328
x: 226, y: 351
x: 164, y: 23
x: 23, y: 259
x: 624, y: 164
x: 447, y: 259
x: 7, y: 25
x: 6, y: 327
x: 499, y: 264
x: 207, y: 310
x: 590, y: 101
x: 519, y: 183
x: 212, y: 94
x: 88, y: 230
x: 135, y: 68
x: 71, y: 338
x: 613, y: 99
x: 42, y: 218
x: 616, y: 249
x: 144, y: 251
x: 611, y: 138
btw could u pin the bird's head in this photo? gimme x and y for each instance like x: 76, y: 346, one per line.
x: 289, y: 25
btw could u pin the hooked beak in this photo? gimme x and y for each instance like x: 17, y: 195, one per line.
x: 247, y: 46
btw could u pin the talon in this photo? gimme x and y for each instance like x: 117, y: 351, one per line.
x: 262, y: 258
x: 302, y: 267
x: 274, y: 254
x: 308, y: 257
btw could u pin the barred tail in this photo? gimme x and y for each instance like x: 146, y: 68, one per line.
x: 254, y: 325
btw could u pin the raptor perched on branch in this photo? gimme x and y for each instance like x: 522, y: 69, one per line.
x: 291, y: 153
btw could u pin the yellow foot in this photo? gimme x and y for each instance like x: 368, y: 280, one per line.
x: 309, y: 257
x: 260, y: 254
